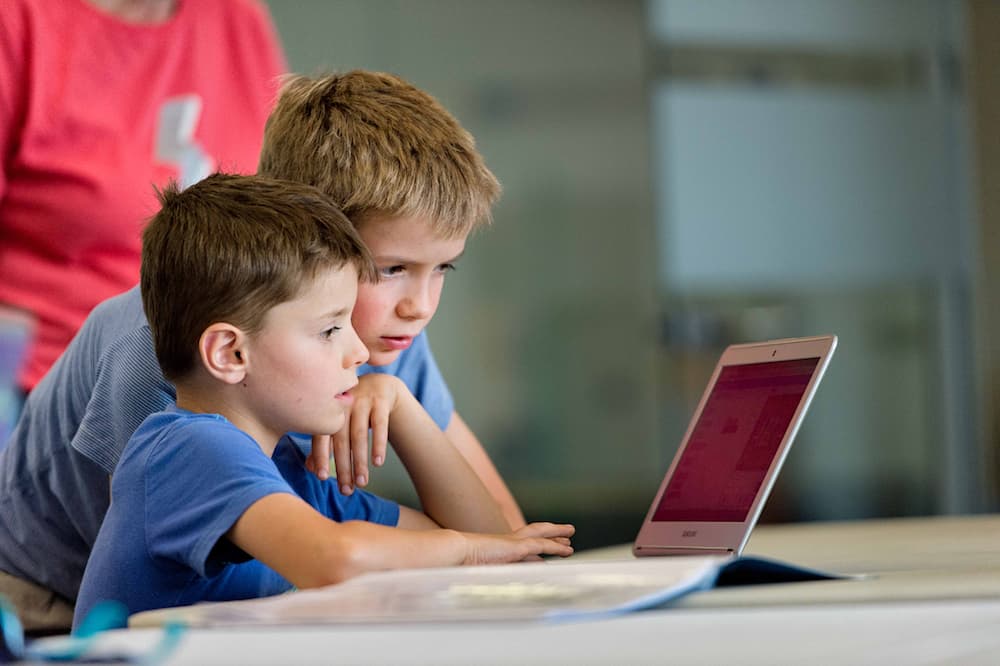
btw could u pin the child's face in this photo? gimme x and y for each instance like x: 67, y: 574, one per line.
x: 412, y: 263
x: 304, y: 359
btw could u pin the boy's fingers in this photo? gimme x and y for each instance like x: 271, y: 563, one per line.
x: 359, y: 441
x: 546, y: 530
x: 318, y: 461
x: 380, y: 434
x: 342, y: 460
x: 551, y: 547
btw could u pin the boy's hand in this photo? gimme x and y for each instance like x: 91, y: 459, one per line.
x: 375, y: 396
x: 529, y: 542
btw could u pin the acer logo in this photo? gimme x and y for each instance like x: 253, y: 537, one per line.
x: 689, y: 533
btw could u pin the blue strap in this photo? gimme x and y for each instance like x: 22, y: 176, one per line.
x: 79, y: 647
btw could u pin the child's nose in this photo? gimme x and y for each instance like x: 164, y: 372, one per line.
x: 417, y: 303
x: 359, y: 353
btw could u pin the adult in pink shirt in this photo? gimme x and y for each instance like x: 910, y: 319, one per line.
x: 100, y: 100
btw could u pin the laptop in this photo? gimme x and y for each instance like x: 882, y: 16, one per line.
x: 735, y: 444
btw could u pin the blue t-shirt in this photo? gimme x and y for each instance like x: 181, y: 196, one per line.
x: 75, y: 423
x: 182, y: 482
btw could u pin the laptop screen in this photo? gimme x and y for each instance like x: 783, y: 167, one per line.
x: 734, y: 441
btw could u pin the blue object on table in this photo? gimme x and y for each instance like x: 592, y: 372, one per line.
x: 78, y: 648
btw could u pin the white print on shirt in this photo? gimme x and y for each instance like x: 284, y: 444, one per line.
x: 175, y: 142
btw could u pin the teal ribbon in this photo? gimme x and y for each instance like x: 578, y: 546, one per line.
x: 79, y: 647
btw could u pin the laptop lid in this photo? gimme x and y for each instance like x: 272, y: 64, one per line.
x: 716, y: 486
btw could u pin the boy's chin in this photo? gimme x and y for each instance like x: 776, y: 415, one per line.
x: 378, y: 358
x: 331, y: 426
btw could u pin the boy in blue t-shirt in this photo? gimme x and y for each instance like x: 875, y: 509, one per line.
x: 249, y: 286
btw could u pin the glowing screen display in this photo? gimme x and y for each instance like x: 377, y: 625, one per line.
x: 734, y: 441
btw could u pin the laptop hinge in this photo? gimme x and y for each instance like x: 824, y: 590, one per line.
x: 687, y: 550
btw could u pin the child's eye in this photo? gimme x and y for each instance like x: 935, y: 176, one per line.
x: 328, y: 333
x: 447, y: 268
x: 389, y: 271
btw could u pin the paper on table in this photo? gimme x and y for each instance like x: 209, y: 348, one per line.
x: 526, y: 591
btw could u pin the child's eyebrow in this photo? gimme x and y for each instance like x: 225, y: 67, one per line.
x: 386, y: 259
x: 336, y: 314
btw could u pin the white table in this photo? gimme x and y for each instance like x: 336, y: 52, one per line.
x: 935, y: 600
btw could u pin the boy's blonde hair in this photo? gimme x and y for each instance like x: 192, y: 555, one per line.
x: 380, y: 148
x: 228, y: 249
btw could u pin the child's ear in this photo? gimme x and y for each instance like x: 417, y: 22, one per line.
x: 223, y: 353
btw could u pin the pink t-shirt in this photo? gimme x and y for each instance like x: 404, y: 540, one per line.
x: 94, y: 111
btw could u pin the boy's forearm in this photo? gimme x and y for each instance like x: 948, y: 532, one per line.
x: 362, y: 547
x: 309, y: 550
x: 472, y: 450
x: 450, y: 491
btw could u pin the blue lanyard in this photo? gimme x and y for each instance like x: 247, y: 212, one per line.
x: 80, y: 646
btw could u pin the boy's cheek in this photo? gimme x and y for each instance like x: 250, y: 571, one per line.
x: 369, y: 310
x: 368, y: 330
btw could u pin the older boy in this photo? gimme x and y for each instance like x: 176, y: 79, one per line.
x: 249, y: 284
x: 396, y: 145
x: 411, y: 180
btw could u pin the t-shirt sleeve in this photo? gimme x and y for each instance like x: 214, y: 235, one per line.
x: 419, y: 371
x: 199, y: 480
x: 325, y: 497
x: 128, y: 387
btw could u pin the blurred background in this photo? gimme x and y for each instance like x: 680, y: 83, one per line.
x: 684, y: 174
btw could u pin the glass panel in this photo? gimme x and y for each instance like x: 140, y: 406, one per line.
x: 812, y: 179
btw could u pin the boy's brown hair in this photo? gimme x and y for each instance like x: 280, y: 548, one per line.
x: 379, y: 147
x: 229, y: 248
